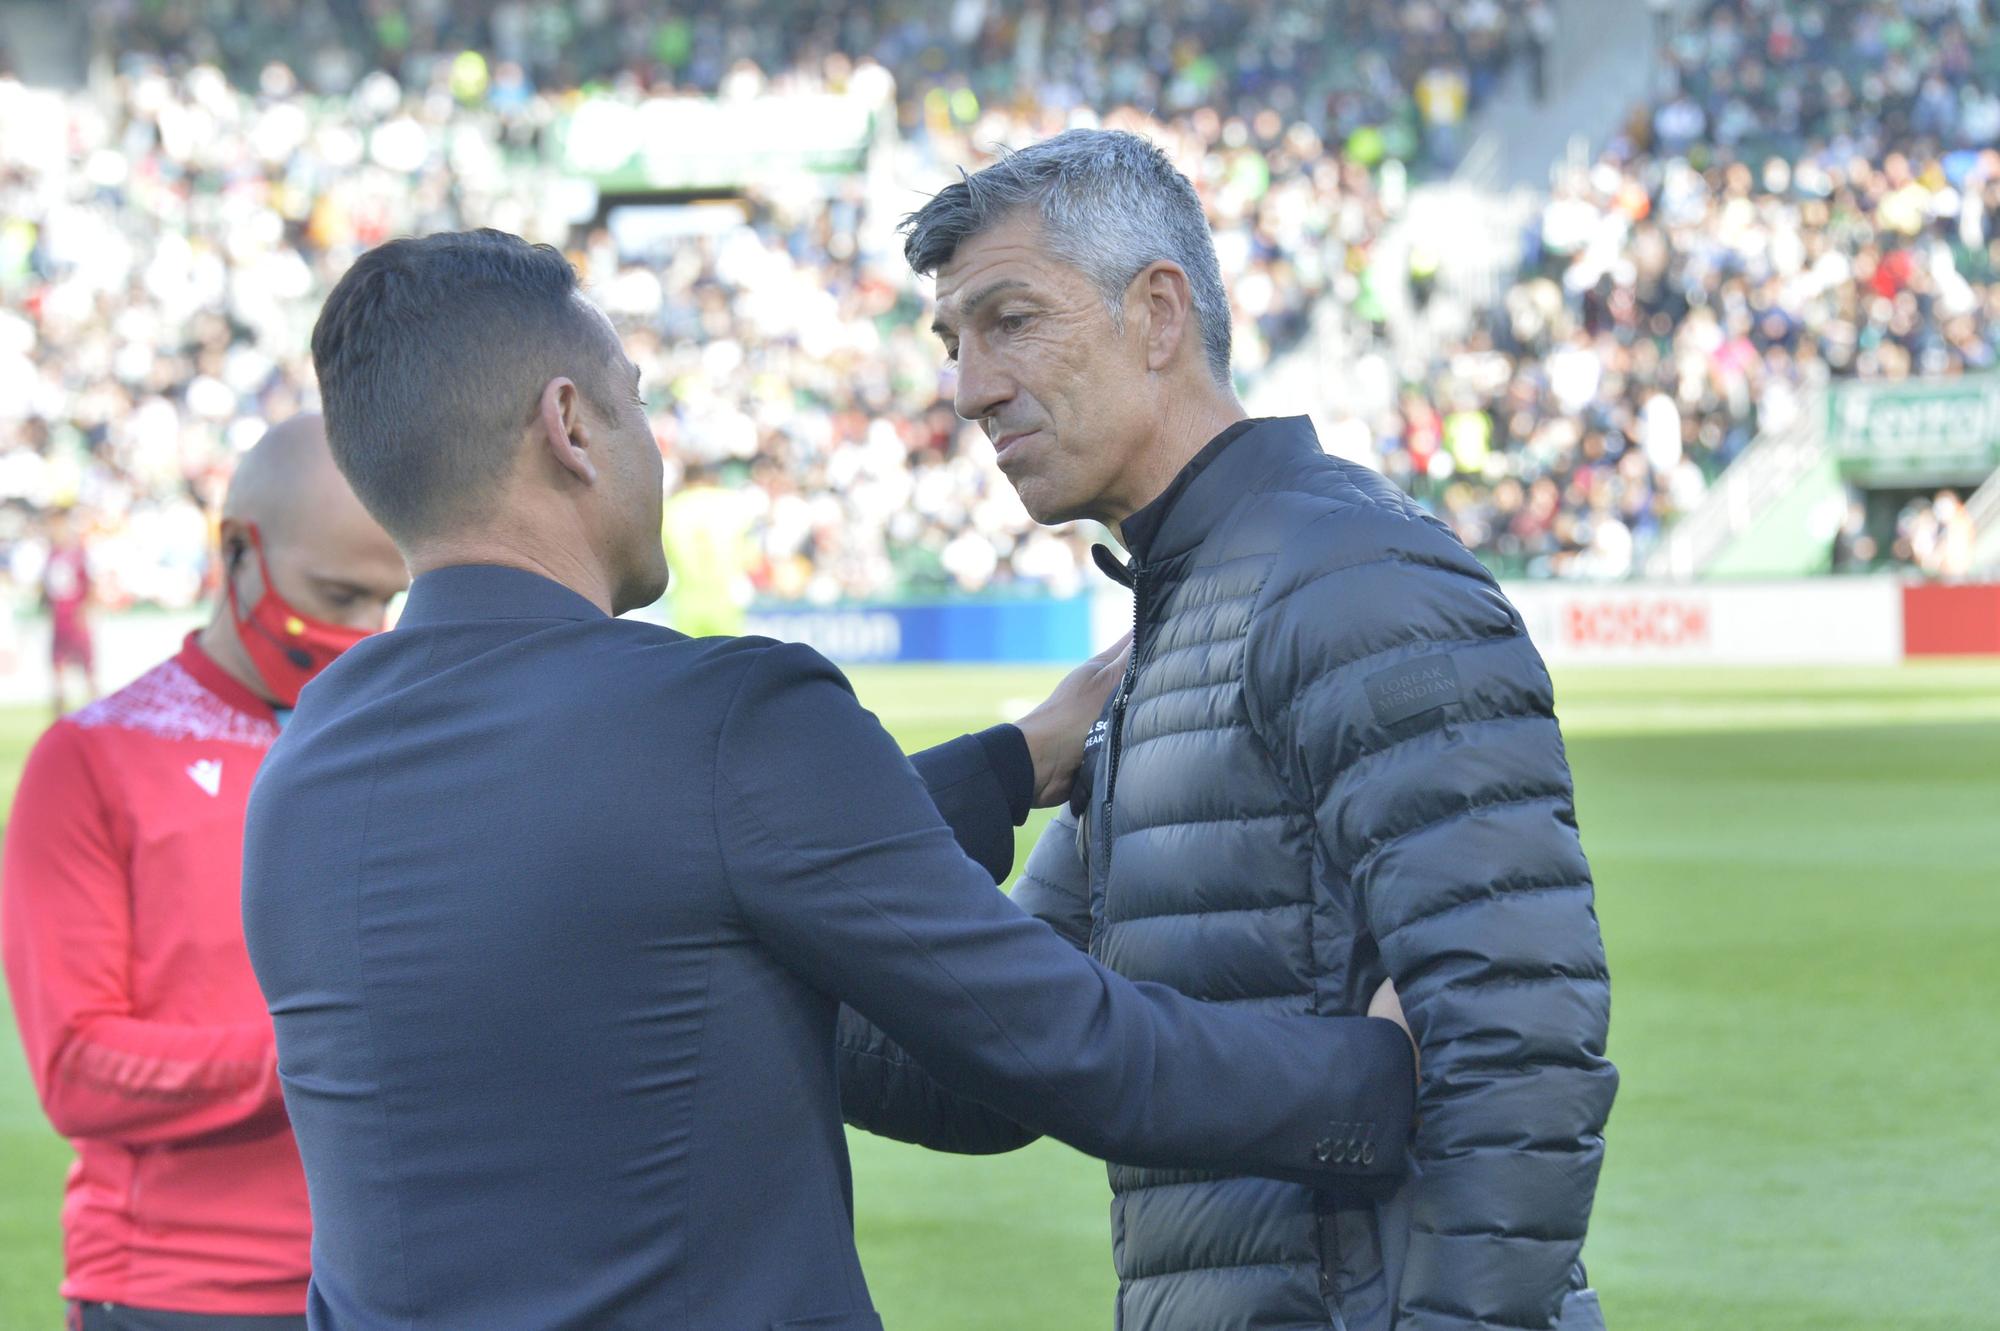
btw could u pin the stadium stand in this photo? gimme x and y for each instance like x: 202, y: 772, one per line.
x: 1812, y: 196
x: 1809, y: 195
x: 167, y: 248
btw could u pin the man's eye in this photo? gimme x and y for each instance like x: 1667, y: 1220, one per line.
x: 1013, y: 323
x: 951, y: 355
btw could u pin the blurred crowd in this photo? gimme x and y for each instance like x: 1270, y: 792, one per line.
x: 1813, y: 191
x: 1389, y: 65
x: 172, y: 228
x: 1933, y: 534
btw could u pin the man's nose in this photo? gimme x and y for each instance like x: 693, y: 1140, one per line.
x: 982, y: 387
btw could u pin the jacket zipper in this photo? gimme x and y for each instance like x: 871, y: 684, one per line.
x: 1329, y: 1261
x: 1115, y: 740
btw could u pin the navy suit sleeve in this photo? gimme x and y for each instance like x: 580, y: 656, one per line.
x: 885, y: 1092
x: 983, y: 786
x: 840, y: 865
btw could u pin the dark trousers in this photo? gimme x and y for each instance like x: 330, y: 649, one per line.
x: 118, y: 1317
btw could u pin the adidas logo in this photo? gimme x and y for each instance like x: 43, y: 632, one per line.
x: 207, y: 773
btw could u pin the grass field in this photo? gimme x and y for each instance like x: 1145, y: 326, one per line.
x: 1799, y: 879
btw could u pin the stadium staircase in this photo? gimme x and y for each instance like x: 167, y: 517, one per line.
x: 1984, y: 509
x: 1472, y: 221
x: 1768, y: 513
x: 1471, y: 225
x: 1764, y: 516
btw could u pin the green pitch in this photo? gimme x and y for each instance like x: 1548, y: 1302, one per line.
x: 1799, y: 878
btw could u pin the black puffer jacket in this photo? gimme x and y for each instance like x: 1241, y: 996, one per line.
x: 1335, y: 758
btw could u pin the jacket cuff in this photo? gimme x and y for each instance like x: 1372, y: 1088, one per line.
x: 982, y: 786
x: 1007, y: 753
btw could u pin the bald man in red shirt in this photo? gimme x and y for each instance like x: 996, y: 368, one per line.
x: 121, y: 924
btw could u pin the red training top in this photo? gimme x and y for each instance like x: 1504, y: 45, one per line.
x: 122, y: 932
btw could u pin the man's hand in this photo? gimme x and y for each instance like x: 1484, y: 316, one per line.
x: 1056, y: 729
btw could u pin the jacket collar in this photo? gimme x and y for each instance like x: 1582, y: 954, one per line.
x: 1229, y: 466
x: 488, y: 591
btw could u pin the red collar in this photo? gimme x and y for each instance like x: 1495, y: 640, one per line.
x: 220, y: 682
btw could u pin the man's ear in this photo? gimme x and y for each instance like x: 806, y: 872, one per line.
x: 563, y: 431
x: 237, y: 563
x: 235, y: 542
x: 1166, y: 303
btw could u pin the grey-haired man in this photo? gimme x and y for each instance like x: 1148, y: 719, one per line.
x: 1333, y: 759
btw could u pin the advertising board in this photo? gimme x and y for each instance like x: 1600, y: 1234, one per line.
x: 1827, y: 621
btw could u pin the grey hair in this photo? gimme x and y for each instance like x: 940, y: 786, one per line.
x: 1110, y: 204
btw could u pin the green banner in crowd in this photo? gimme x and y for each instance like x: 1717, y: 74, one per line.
x: 1928, y: 432
x: 678, y: 143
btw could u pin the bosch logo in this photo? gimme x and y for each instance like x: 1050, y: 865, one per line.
x: 1648, y: 622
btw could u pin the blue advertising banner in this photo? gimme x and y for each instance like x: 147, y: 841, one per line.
x: 1027, y: 631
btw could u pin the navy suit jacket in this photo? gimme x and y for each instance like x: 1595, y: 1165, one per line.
x: 555, y: 913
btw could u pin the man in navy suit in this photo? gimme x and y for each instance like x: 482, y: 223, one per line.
x: 555, y: 912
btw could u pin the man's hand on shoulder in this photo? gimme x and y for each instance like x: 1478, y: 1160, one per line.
x: 1056, y: 729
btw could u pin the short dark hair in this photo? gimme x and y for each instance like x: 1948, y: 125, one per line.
x: 431, y: 355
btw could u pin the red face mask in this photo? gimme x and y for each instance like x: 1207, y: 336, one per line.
x: 286, y: 647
